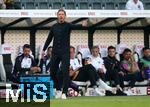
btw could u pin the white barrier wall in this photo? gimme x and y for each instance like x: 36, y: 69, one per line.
x: 75, y: 13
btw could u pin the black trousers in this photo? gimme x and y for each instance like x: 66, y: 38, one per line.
x: 86, y: 73
x: 112, y: 75
x: 128, y: 77
x: 54, y: 68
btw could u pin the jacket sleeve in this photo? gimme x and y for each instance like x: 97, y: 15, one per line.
x: 49, y: 39
x: 34, y: 64
x: 108, y: 64
x: 41, y: 63
x: 74, y: 26
x: 17, y: 67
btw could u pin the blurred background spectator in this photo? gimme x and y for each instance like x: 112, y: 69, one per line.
x: 134, y: 5
x: 2, y: 4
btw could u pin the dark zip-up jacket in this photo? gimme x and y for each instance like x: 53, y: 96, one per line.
x: 18, y: 70
x: 61, y: 34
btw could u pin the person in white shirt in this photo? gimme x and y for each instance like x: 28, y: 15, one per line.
x: 97, y: 62
x: 134, y: 5
x: 24, y: 64
x: 2, y: 4
x: 81, y: 73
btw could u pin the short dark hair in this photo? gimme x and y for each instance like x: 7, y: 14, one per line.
x: 111, y: 47
x: 62, y: 11
x: 145, y: 48
x: 126, y: 50
x: 94, y: 47
x: 26, y: 46
x: 72, y: 47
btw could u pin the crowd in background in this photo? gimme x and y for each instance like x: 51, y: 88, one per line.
x: 130, y: 5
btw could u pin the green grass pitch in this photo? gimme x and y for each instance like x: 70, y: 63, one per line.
x: 107, y: 101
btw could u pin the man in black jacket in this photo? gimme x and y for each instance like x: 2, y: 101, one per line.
x: 144, y: 64
x: 113, y: 67
x: 24, y: 64
x: 60, y: 33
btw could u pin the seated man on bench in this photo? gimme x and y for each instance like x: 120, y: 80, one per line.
x: 85, y: 73
x: 24, y: 64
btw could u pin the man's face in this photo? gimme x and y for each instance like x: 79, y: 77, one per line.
x: 72, y: 53
x: 26, y: 51
x: 61, y: 16
x: 111, y: 52
x: 95, y: 52
x: 135, y: 1
x: 127, y: 55
x: 146, y: 52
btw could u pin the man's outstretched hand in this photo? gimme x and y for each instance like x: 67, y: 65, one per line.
x: 85, y: 23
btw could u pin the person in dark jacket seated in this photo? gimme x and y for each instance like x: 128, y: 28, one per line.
x: 24, y: 64
x: 145, y: 64
x: 113, y: 67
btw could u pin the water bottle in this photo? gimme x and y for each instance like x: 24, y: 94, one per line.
x: 44, y: 69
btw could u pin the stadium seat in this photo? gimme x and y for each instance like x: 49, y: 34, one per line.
x: 69, y: 4
x: 119, y: 50
x: 109, y: 4
x: 55, y: 4
x: 28, y: 4
x: 138, y: 49
x: 120, y: 4
x: 146, y: 4
x: 42, y: 4
x: 103, y: 50
x: 83, y: 4
x: 83, y: 50
x: 96, y: 4
x: 17, y: 4
x: 2, y: 70
x: 6, y: 65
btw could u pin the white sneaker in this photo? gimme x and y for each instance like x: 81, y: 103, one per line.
x: 114, y: 90
x: 63, y: 96
x: 119, y: 88
x: 128, y: 92
x: 58, y: 94
x: 98, y: 92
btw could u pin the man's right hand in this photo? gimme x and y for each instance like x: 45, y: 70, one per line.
x: 71, y: 73
x: 43, y: 54
x: 35, y: 69
x: 101, y: 70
